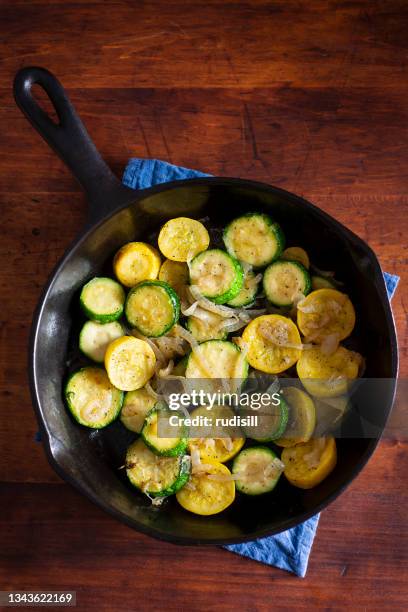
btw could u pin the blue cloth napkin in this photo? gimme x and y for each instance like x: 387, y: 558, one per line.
x: 290, y: 549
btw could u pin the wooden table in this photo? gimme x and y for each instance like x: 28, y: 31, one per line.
x: 307, y: 95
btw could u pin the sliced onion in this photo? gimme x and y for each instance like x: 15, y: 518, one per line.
x: 151, y: 391
x: 330, y: 344
x: 224, y: 311
x: 159, y: 354
x: 231, y: 327
x: 171, y: 345
x: 187, y: 312
x: 311, y: 309
x: 312, y: 459
x: 246, y: 267
x: 227, y: 442
x: 164, y: 372
x: 186, y: 335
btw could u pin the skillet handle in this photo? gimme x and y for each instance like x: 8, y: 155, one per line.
x: 70, y: 141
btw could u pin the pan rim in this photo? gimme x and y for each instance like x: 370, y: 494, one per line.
x: 93, y: 226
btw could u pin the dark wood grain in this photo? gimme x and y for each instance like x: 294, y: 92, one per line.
x: 307, y: 95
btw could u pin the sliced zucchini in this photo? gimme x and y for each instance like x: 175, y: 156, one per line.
x: 176, y: 274
x: 153, y: 307
x: 180, y: 239
x: 302, y: 417
x: 326, y: 312
x: 136, y: 406
x: 217, y: 359
x: 217, y: 275
x: 248, y: 292
x: 255, y: 239
x: 102, y: 299
x: 273, y: 343
x: 256, y: 470
x: 154, y: 475
x: 135, y: 262
x: 220, y: 449
x: 307, y: 465
x: 319, y: 282
x: 91, y: 398
x: 297, y: 254
x: 95, y: 337
x: 130, y: 363
x: 283, y: 281
x: 160, y: 445
x: 209, y: 491
x: 325, y: 375
x: 208, y: 328
x: 272, y: 420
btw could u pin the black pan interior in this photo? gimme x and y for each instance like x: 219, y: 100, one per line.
x: 90, y: 460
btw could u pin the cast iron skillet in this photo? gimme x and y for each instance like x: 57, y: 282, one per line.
x: 89, y: 461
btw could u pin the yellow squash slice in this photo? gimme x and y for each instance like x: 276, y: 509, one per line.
x: 129, y: 362
x: 326, y: 312
x: 176, y: 274
x: 135, y: 262
x: 325, y: 375
x: 274, y: 343
x: 302, y: 417
x: 209, y: 491
x: 181, y: 239
x: 307, y: 465
x: 219, y: 449
x: 296, y: 254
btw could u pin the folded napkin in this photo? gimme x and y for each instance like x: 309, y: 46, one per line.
x: 290, y: 549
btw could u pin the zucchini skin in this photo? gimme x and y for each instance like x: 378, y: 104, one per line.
x: 82, y: 335
x: 239, y: 302
x: 249, y: 490
x: 101, y: 318
x: 235, y: 286
x: 275, y: 228
x: 269, y: 270
x: 184, y: 465
x: 72, y: 409
x: 178, y: 449
x: 173, y: 298
x: 280, y: 430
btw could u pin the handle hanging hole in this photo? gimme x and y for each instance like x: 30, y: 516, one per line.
x: 42, y: 99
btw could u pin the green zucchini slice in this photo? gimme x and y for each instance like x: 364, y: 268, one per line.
x: 136, y: 406
x: 166, y: 447
x: 91, y: 397
x: 210, y: 328
x: 256, y: 470
x: 217, y: 359
x: 283, y: 281
x: 152, y: 307
x: 255, y: 239
x: 154, y: 475
x: 248, y: 292
x: 95, y: 337
x: 102, y: 299
x: 272, y: 421
x: 218, y: 276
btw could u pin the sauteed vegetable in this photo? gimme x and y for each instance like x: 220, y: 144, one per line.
x: 229, y: 314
